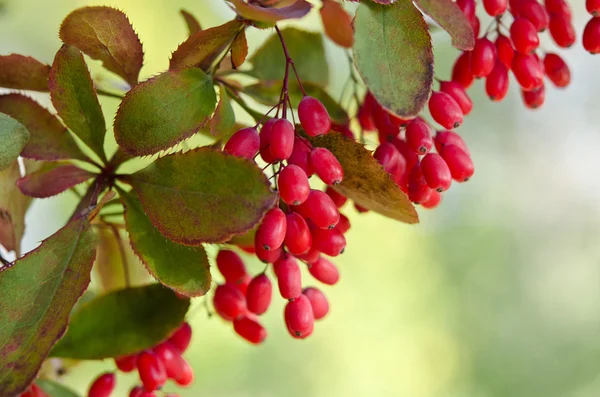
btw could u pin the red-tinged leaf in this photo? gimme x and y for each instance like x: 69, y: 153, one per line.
x: 37, y: 294
x: 297, y: 9
x: 192, y: 23
x: 23, y: 73
x: 49, y: 139
x: 105, y: 33
x: 447, y: 14
x: 239, y: 50
x: 161, y: 112
x: 13, y: 137
x: 365, y: 181
x: 394, y: 56
x: 384, y: 2
x: 74, y: 97
x: 203, y: 195
x: 202, y: 48
x: 52, y: 179
x: 337, y: 23
x: 222, y: 124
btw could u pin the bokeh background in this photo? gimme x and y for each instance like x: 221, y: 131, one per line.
x: 496, y: 293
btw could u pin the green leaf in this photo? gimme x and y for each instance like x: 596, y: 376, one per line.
x: 55, y: 389
x: 49, y: 139
x: 365, y: 181
x: 183, y: 269
x: 23, y: 73
x: 13, y: 137
x: 447, y: 14
x: 192, y: 23
x: 105, y: 33
x: 239, y: 50
x: 222, y: 124
x: 122, y: 322
x: 37, y: 293
x: 13, y: 205
x: 52, y: 179
x: 256, y: 13
x: 203, y: 195
x: 267, y: 93
x: 393, y: 54
x: 74, y: 97
x: 202, y: 48
x: 163, y: 111
x: 305, y: 48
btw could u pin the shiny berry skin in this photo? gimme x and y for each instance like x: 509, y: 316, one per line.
x: 562, y: 31
x: 386, y: 128
x: 434, y: 200
x: 231, y: 266
x: 467, y: 7
x: 299, y: 317
x: 524, y: 36
x: 418, y: 136
x: 535, y: 13
x: 250, y: 329
x: 591, y: 36
x: 534, y: 99
x: 497, y: 83
x: 483, y: 57
x: 293, y: 185
x: 326, y: 166
x: 186, y: 375
x: 436, y: 172
x: 289, y: 278
x: 557, y: 70
x: 495, y: 7
x: 126, y: 363
x: 271, y: 233
x: 388, y: 156
x: 258, y: 295
x: 344, y: 224
x: 182, y: 337
x: 365, y: 116
x: 264, y: 255
x: 476, y: 25
x: 229, y: 302
x: 242, y: 285
x: 418, y: 189
x: 528, y: 71
x: 152, y: 371
x: 593, y: 7
x: 311, y: 256
x: 324, y: 271
x: 338, y: 198
x: 139, y: 391
x: 461, y: 71
x: 103, y: 386
x: 410, y: 157
x: 318, y: 302
x: 329, y: 241
x: 170, y: 357
x: 505, y: 50
x: 445, y: 111
x: 244, y: 143
x: 313, y: 116
x: 298, y: 238
x: 558, y: 7
x: 459, y: 162
x: 321, y: 209
x: 301, y: 156
x: 459, y: 94
x: 265, y: 141
x: 445, y: 138
x: 282, y: 139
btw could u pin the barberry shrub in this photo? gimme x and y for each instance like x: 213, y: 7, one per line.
x: 248, y: 191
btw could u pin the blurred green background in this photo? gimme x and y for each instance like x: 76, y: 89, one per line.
x: 496, y: 293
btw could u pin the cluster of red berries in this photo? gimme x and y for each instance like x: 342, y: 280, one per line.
x: 306, y: 224
x: 591, y: 33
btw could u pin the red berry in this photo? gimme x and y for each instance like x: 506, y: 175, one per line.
x: 244, y: 143
x: 418, y: 136
x: 293, y: 185
x: 444, y: 138
x: 562, y: 31
x: 298, y: 239
x: 497, y: 82
x: 557, y: 70
x: 399, y: 121
x: 265, y: 141
x: 344, y: 224
x: 271, y: 232
x: 324, y: 271
x: 139, y: 391
x: 264, y: 255
x: 383, y: 121
x: 528, y: 71
x: 321, y: 209
x: 231, y: 266
x: 318, y: 302
x: 186, y: 375
x: 250, y: 330
x: 388, y: 156
x: 591, y: 36
x: 434, y: 200
x: 182, y: 337
x: 558, y: 7
x: 327, y: 166
x: 445, y: 111
x: 329, y: 241
x: 534, y: 99
x: 461, y: 71
x: 535, y: 13
x: 301, y: 155
x: 152, y: 371
x: 299, y: 317
x: 459, y: 162
x: 418, y: 189
x: 282, y: 139
x: 476, y: 25
x: 170, y: 357
x: 593, y: 7
x: 436, y: 172
x: 289, y: 278
x: 524, y: 35
x: 103, y: 386
x: 338, y: 198
x: 242, y: 285
x: 467, y: 7
x: 483, y: 57
x: 343, y: 129
x: 313, y: 116
x: 258, y: 296
x: 365, y: 114
x: 410, y: 157
x: 229, y: 302
x: 459, y: 94
x: 311, y: 256
x: 504, y: 50
x: 126, y: 363
x: 495, y: 7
